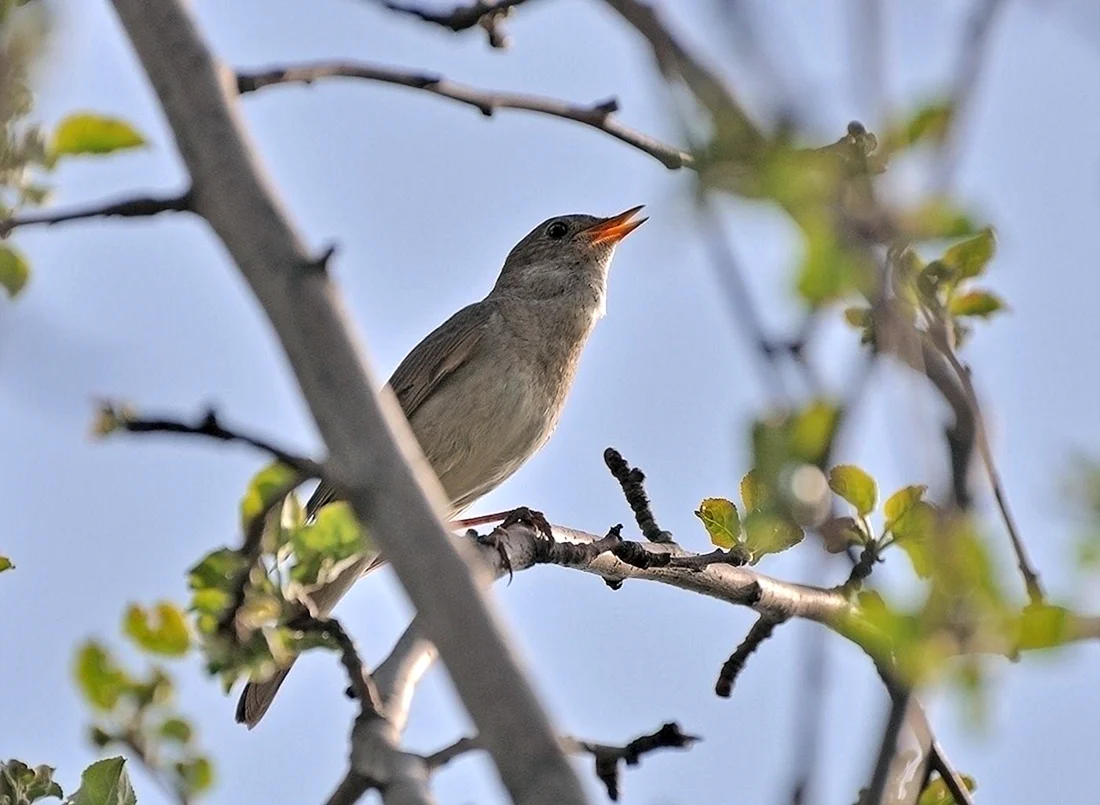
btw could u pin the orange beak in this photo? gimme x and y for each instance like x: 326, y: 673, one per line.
x: 612, y: 230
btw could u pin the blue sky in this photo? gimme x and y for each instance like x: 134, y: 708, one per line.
x: 424, y: 199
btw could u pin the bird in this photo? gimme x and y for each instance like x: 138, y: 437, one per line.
x: 484, y: 391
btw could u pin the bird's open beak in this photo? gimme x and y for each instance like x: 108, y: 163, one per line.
x: 612, y: 230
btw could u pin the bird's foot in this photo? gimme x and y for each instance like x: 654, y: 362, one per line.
x: 491, y: 540
x: 529, y: 517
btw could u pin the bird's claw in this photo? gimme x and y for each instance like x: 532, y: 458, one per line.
x: 491, y: 540
x: 535, y: 519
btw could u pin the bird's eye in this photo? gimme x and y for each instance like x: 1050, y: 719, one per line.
x: 557, y: 230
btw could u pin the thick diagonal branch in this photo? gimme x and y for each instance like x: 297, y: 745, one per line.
x: 373, y: 455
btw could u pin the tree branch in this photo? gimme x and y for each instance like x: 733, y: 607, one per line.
x: 599, y: 116
x: 760, y: 631
x: 607, y: 758
x: 111, y: 418
x: 374, y: 456
x: 632, y: 480
x: 140, y: 207
x: 485, y: 13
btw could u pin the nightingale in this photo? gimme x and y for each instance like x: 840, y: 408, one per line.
x: 485, y: 390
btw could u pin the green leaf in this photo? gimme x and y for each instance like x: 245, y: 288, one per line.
x: 721, y: 521
x: 99, y: 678
x: 164, y: 633
x: 197, y: 774
x: 89, y: 133
x: 176, y: 729
x: 969, y: 258
x: 767, y: 533
x: 753, y: 494
x: 811, y: 431
x: 976, y: 303
x: 937, y: 793
x: 930, y: 122
x: 14, y: 271
x: 105, y: 782
x: 22, y: 785
x: 913, y: 532
x: 6, y: 564
x: 855, y: 486
x: 1043, y: 626
x: 333, y: 536
x: 937, y: 218
x: 262, y: 489
x: 858, y: 316
x: 902, y: 501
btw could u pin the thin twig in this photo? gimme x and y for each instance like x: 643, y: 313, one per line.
x: 599, y: 116
x: 732, y: 667
x: 485, y: 13
x: 359, y: 680
x: 469, y: 743
x: 955, y: 785
x: 876, y: 794
x: 141, y: 207
x: 1031, y: 577
x: 608, y: 758
x: 113, y: 418
x: 632, y: 481
x: 973, y: 52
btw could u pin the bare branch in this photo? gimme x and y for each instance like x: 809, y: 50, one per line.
x: 113, y: 418
x: 632, y: 480
x: 760, y: 631
x: 877, y: 793
x: 140, y: 207
x: 599, y: 116
x: 374, y: 457
x: 955, y: 785
x: 607, y: 758
x: 972, y: 56
x: 485, y: 13
x: 1031, y: 577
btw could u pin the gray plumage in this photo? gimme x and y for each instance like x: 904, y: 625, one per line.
x: 485, y: 390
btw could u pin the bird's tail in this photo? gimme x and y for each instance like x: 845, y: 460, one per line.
x: 257, y: 697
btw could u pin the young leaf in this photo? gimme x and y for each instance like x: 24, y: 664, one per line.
x: 902, y: 501
x: 930, y: 122
x: 769, y: 533
x: 811, y: 431
x: 100, y: 679
x: 6, y: 564
x: 22, y: 785
x: 105, y: 782
x: 721, y: 520
x: 913, y: 530
x: 753, y: 493
x: 166, y: 633
x: 176, y: 729
x: 197, y: 774
x: 855, y: 486
x: 840, y: 532
x: 1043, y: 626
x: 261, y: 489
x: 14, y: 271
x: 858, y: 316
x: 937, y: 793
x: 334, y: 536
x: 969, y: 258
x: 89, y: 133
x: 976, y: 303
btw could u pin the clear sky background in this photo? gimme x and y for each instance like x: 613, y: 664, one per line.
x: 424, y: 199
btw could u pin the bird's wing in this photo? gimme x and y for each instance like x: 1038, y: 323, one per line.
x: 430, y: 363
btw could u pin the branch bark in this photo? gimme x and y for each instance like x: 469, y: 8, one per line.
x: 374, y: 459
x: 599, y: 116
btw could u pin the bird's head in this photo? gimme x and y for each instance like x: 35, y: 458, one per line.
x: 566, y: 255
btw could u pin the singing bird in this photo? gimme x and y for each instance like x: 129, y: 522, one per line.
x: 485, y: 390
